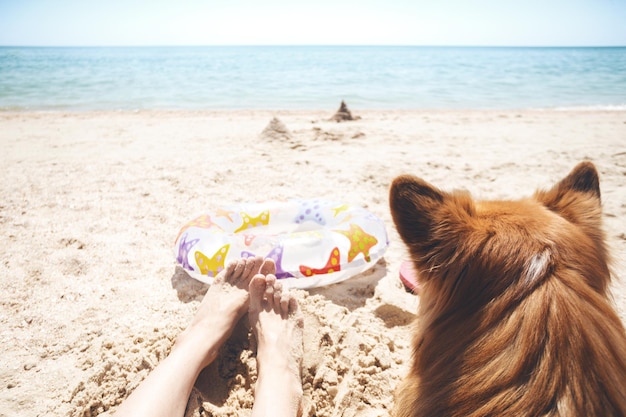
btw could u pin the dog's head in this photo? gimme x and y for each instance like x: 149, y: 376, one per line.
x: 468, y: 253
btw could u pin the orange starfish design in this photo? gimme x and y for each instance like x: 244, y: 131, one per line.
x: 360, y: 242
x: 204, y: 222
x: 332, y: 265
x: 224, y: 213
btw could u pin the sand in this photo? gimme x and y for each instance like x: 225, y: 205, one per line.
x: 91, y: 202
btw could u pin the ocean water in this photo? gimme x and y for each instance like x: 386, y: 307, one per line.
x: 310, y: 77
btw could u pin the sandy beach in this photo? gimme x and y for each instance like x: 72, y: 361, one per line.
x: 91, y: 202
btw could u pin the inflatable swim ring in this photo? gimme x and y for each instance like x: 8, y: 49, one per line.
x: 313, y: 242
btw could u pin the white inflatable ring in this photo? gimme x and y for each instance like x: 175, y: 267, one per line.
x: 313, y: 242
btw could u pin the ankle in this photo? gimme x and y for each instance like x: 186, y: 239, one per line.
x: 291, y: 392
x: 280, y: 372
x: 199, y: 347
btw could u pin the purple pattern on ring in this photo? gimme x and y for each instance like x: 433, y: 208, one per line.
x: 277, y: 255
x: 183, y: 252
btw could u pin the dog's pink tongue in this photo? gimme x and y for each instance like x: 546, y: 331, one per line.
x: 408, y: 276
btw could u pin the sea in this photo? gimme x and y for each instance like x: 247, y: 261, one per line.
x: 311, y: 77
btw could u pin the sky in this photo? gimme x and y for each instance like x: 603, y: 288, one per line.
x: 319, y: 22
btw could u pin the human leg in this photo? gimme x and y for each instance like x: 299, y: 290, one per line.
x: 277, y: 324
x: 166, y: 390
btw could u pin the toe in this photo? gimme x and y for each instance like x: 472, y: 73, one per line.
x: 268, y: 267
x: 294, y: 309
x: 240, y: 266
x: 251, y: 269
x: 257, y: 291
x: 278, y: 292
x: 284, y: 303
x: 227, y: 273
x: 270, y: 282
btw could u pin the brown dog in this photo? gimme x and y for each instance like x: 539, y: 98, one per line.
x: 514, y: 317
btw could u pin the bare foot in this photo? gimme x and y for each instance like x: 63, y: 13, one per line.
x: 225, y: 302
x: 277, y: 324
x: 165, y: 392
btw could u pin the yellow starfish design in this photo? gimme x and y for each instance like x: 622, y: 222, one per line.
x: 212, y: 266
x: 249, y: 222
x: 339, y: 209
x: 360, y: 242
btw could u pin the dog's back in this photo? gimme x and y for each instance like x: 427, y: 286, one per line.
x: 514, y: 317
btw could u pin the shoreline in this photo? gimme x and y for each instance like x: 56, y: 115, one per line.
x: 92, y: 202
x: 617, y: 108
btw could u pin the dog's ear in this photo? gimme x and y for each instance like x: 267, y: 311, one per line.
x: 583, y: 178
x: 577, y: 196
x: 413, y: 203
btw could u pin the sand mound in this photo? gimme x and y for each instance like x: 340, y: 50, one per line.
x: 343, y: 114
x: 276, y: 130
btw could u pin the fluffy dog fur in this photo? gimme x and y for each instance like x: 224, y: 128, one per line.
x: 514, y: 316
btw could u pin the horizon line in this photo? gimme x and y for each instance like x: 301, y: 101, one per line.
x: 301, y: 45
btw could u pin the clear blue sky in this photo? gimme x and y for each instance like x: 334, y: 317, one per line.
x: 321, y: 22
